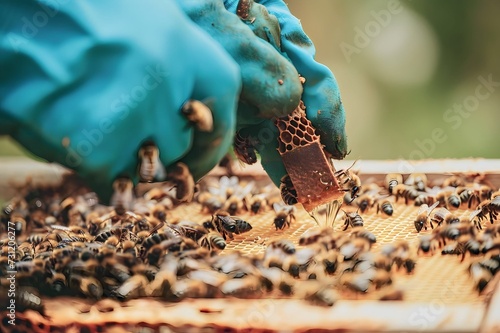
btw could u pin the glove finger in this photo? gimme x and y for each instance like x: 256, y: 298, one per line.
x: 218, y: 85
x: 321, y: 92
x: 270, y: 82
x: 264, y: 138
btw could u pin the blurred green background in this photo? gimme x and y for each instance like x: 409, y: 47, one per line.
x: 402, y: 66
x: 415, y: 64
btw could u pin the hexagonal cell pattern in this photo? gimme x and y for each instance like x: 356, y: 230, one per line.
x: 437, y: 278
x: 295, y: 130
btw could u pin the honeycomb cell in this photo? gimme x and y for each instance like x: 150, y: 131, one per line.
x: 436, y: 277
x: 286, y: 137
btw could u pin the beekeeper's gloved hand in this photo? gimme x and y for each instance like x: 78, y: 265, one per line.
x: 272, y: 21
x: 86, y: 89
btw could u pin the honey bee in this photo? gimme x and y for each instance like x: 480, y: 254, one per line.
x: 424, y: 198
x: 366, y: 201
x: 28, y: 298
x: 466, y: 195
x: 285, y: 215
x: 36, y: 239
x: 391, y: 180
x: 234, y: 204
x: 465, y: 244
x: 491, y: 247
x: 449, y: 199
x: 188, y: 229
x: 198, y: 114
x: 454, y: 181
x: 405, y: 191
x: 422, y: 219
x: 57, y: 283
x: 363, y: 233
x: 444, y: 215
x: 317, y: 293
x: 150, y: 166
x: 256, y: 203
x: 244, y: 149
x: 352, y: 219
x: 285, y: 245
x: 417, y: 180
x: 213, y: 241
x: 401, y: 255
x: 209, y: 202
x: 288, y: 192
x: 480, y: 275
x: 427, y: 244
x: 483, y: 192
x: 353, y: 248
x: 281, y: 253
x: 328, y: 260
x: 134, y: 287
x: 381, y: 278
x: 385, y: 207
x: 224, y: 224
x: 349, y: 180
x: 155, y: 239
x: 123, y: 196
x: 490, y: 207
x: 184, y: 182
x: 453, y: 201
x: 19, y: 224
x: 242, y: 226
x: 243, y: 287
x: 95, y: 224
x: 314, y: 236
x: 454, y: 231
x: 87, y: 286
x: 356, y: 282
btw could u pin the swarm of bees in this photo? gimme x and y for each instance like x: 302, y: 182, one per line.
x: 74, y: 246
x: 451, y: 234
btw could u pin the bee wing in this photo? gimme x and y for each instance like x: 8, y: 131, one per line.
x: 60, y: 227
x: 247, y: 200
x: 431, y: 208
x: 422, y: 209
x: 217, y: 191
x: 441, y: 213
x: 227, y: 182
x: 278, y: 206
x: 242, y: 192
x: 290, y: 209
x: 474, y: 214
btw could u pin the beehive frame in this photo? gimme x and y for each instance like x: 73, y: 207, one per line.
x: 436, y: 314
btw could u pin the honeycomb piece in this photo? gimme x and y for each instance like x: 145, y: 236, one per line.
x: 295, y: 131
x: 310, y: 171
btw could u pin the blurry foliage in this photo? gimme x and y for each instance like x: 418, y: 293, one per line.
x: 397, y: 88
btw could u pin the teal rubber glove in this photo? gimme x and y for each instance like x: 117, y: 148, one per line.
x: 272, y: 21
x: 86, y: 84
